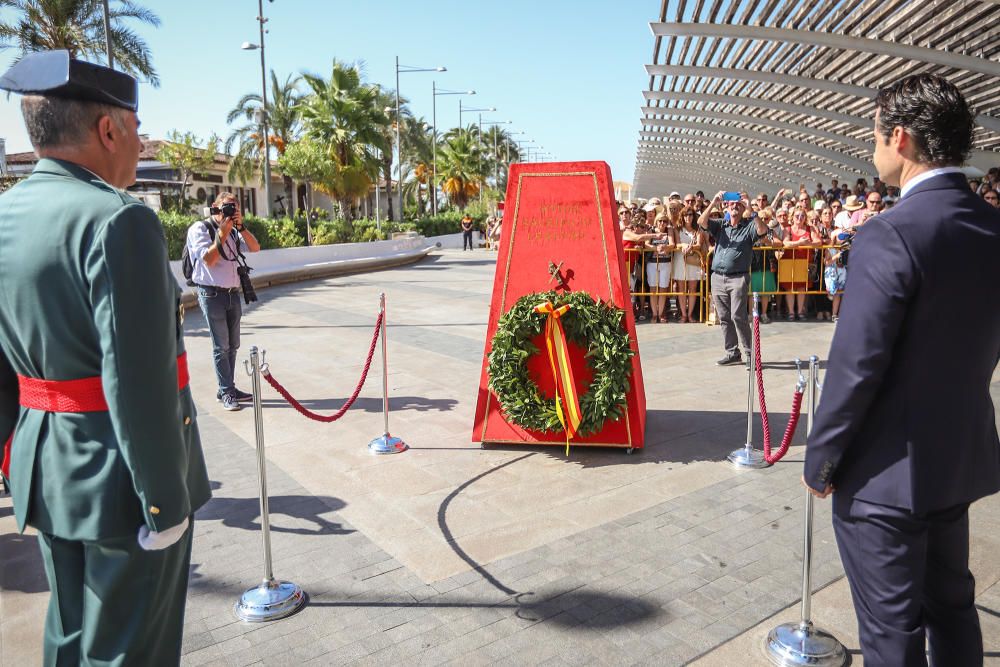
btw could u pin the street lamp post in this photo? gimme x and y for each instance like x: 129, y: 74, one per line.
x: 107, y: 35
x: 508, y: 143
x: 524, y: 141
x: 436, y: 92
x: 496, y: 153
x: 479, y: 128
x: 399, y: 121
x: 247, y: 46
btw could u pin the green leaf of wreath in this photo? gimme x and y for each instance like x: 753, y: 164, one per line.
x: 595, y: 326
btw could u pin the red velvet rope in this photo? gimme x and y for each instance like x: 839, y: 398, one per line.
x: 350, y: 401
x: 793, y: 420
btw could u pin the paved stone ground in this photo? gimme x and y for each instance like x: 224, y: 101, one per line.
x: 452, y: 554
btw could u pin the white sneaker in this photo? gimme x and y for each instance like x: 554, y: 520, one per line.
x: 230, y: 403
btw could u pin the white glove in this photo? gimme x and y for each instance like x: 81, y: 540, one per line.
x: 152, y: 541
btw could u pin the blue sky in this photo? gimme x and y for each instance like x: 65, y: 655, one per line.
x: 567, y: 72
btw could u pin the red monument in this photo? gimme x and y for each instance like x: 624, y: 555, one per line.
x: 560, y: 229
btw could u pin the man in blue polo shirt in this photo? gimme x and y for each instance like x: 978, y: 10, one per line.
x: 735, y: 232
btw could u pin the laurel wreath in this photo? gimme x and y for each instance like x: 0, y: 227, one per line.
x: 593, y: 325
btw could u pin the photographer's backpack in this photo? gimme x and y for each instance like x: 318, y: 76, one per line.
x: 187, y: 264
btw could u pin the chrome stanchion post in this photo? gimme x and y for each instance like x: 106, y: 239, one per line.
x: 747, y: 456
x: 385, y: 443
x: 802, y: 643
x: 271, y: 599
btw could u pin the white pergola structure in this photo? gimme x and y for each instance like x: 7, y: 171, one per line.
x: 763, y: 94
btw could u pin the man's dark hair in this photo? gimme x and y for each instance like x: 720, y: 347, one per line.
x: 57, y: 121
x: 934, y: 112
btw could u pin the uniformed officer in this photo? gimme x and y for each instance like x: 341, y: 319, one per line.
x: 106, y: 460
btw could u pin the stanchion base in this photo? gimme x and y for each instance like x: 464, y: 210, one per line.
x: 269, y: 601
x: 386, y: 444
x: 747, y: 458
x: 790, y: 645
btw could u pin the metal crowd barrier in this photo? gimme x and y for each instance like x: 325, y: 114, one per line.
x: 796, y: 270
x: 644, y: 256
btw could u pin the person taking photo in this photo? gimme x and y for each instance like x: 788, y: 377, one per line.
x: 215, y: 246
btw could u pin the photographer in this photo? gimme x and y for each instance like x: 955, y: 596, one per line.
x: 216, y: 246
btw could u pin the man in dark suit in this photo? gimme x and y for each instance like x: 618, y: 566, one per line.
x: 905, y: 434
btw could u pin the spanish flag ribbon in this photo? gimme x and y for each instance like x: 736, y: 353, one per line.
x: 562, y: 372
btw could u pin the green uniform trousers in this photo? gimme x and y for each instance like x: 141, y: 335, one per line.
x: 114, y: 603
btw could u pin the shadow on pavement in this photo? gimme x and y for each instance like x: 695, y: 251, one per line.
x: 22, y: 564
x: 245, y: 513
x: 442, y: 520
x: 678, y: 437
x: 396, y: 404
x: 598, y: 610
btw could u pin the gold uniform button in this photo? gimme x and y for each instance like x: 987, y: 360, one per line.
x: 187, y: 421
x: 154, y: 510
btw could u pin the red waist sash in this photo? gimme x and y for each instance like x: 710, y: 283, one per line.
x: 83, y: 395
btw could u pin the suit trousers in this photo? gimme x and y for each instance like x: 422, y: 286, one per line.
x: 731, y: 296
x: 113, y: 603
x: 910, y: 579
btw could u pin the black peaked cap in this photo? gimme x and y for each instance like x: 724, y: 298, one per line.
x: 55, y: 73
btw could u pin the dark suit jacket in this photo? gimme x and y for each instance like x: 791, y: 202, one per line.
x: 905, y: 417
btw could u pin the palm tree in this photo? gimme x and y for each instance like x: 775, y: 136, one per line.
x: 418, y: 148
x: 283, y: 123
x: 386, y: 100
x: 345, y: 116
x: 78, y: 27
x: 460, y: 166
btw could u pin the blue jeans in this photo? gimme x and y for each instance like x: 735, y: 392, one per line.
x: 223, y: 311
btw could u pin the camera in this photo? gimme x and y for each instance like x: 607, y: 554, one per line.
x: 249, y: 295
x: 228, y: 210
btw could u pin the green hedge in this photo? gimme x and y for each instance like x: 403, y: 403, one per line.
x: 450, y: 222
x: 287, y: 232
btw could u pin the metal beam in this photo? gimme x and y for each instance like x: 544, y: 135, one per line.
x: 753, y: 120
x: 781, y: 173
x: 720, y: 175
x: 816, y: 171
x: 703, y: 180
x: 704, y: 160
x: 806, y: 82
x: 772, y: 182
x: 838, y: 157
x: 685, y: 157
x: 760, y: 103
x: 991, y: 123
x: 754, y: 162
x: 646, y: 140
x: 830, y: 40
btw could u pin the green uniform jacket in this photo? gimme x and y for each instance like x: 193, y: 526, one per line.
x: 86, y: 290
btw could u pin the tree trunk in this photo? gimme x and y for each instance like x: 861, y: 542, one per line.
x: 387, y: 175
x: 289, y: 196
x: 345, y: 210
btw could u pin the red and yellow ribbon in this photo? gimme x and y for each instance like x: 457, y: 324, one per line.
x: 562, y: 372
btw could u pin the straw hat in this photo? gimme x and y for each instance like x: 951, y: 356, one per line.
x: 853, y: 203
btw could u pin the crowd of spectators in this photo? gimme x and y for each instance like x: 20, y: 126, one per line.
x: 803, y: 256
